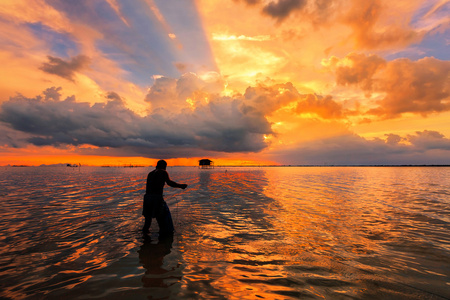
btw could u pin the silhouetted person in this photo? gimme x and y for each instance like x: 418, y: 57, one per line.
x: 154, y: 204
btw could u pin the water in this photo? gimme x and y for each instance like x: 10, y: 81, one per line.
x: 241, y: 233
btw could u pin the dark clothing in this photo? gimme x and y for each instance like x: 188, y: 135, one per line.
x: 153, y: 205
x: 163, y: 217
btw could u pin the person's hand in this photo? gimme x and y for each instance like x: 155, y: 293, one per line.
x: 183, y: 186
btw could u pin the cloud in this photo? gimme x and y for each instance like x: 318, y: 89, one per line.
x: 269, y: 98
x: 281, y: 9
x: 251, y: 2
x: 162, y: 93
x: 426, y: 147
x: 320, y: 12
x: 393, y: 139
x: 374, y: 28
x: 225, y: 37
x: 429, y: 139
x: 185, y: 92
x: 11, y: 137
x: 356, y: 69
x: 65, y: 69
x: 115, y: 6
x: 222, y: 124
x: 225, y: 125
x: 323, y: 106
x: 420, y: 87
x: 373, y: 24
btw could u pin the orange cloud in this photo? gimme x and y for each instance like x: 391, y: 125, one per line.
x: 290, y: 48
x: 407, y: 86
x: 38, y: 11
x: 26, y: 57
x: 269, y: 98
x: 356, y: 69
x: 114, y: 5
x: 325, y: 107
x: 421, y: 87
x: 377, y: 25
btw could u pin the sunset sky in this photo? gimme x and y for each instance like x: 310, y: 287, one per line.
x: 239, y: 81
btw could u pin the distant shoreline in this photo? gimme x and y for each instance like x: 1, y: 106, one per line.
x: 325, y: 166
x: 232, y: 166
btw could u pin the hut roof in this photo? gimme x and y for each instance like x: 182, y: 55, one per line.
x: 205, y: 161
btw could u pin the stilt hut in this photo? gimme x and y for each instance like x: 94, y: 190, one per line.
x: 206, y: 164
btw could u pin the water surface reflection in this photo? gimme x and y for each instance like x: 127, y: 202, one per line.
x: 247, y: 233
x: 157, y: 276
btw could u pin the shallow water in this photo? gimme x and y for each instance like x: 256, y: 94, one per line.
x: 241, y: 233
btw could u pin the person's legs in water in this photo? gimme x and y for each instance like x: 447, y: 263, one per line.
x: 165, y: 222
x: 147, y: 224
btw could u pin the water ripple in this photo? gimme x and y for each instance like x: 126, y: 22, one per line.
x: 241, y: 233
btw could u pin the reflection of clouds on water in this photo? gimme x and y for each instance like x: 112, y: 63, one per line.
x: 363, y: 233
x: 230, y: 198
x: 226, y: 220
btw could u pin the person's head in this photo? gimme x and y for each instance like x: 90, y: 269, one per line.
x: 161, y: 164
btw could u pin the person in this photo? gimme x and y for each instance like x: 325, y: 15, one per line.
x: 154, y: 204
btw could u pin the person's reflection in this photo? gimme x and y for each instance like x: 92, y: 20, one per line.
x: 151, y: 256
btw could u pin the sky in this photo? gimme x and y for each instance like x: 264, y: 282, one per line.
x: 246, y: 82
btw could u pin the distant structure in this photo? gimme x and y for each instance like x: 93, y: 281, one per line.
x: 206, y: 164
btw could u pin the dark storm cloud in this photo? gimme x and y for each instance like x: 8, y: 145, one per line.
x: 423, y: 147
x: 251, y: 2
x: 222, y: 124
x: 428, y: 140
x: 11, y: 137
x: 282, y: 8
x: 54, y: 122
x: 65, y: 69
x: 279, y: 9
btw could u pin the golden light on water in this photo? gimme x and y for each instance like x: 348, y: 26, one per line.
x: 240, y: 233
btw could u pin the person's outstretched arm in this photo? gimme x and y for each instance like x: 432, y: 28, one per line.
x: 174, y: 184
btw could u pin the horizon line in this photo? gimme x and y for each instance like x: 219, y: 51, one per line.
x: 232, y: 166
